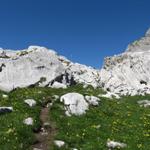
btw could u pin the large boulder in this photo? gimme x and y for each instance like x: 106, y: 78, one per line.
x: 74, y: 103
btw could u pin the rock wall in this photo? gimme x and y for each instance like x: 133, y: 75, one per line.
x: 39, y: 66
x: 129, y: 73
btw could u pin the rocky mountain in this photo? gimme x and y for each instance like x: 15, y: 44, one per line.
x: 129, y: 73
x: 125, y: 74
x: 39, y: 66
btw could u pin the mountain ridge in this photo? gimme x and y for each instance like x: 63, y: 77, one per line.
x: 125, y: 74
x: 43, y: 67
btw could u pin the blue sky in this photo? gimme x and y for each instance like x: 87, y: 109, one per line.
x: 85, y: 31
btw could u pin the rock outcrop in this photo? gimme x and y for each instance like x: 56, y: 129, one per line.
x: 77, y: 104
x: 74, y: 104
x: 39, y: 66
x: 125, y: 74
x: 129, y: 73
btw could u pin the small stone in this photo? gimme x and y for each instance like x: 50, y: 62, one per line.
x: 39, y: 92
x: 58, y: 85
x: 44, y: 133
x: 47, y: 125
x: 36, y: 149
x: 74, y: 103
x: 49, y: 105
x: 85, y: 86
x: 5, y: 110
x: 59, y: 143
x: 56, y: 97
x: 28, y: 121
x: 98, y: 126
x: 144, y: 103
x: 92, y: 100
x: 30, y: 102
x: 5, y: 96
x: 110, y: 95
x: 113, y: 144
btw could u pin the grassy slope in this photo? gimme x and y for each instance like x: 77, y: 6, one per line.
x: 121, y: 120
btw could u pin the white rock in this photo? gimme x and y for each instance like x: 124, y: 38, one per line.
x: 28, y: 121
x: 28, y: 67
x: 128, y: 73
x: 56, y: 97
x: 74, y: 103
x: 41, y: 66
x: 84, y: 74
x: 6, y: 109
x: 30, y: 102
x: 144, y: 103
x: 5, y: 96
x: 49, y: 105
x: 58, y: 85
x: 85, y: 86
x: 59, y: 143
x: 110, y: 95
x: 113, y: 144
x: 92, y: 100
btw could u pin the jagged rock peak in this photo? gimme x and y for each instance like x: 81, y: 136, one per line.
x: 141, y: 45
x: 148, y: 32
x: 129, y: 72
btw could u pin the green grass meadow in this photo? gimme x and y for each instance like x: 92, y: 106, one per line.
x: 120, y: 120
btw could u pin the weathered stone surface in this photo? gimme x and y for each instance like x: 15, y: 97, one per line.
x: 59, y: 143
x: 39, y: 66
x: 58, y: 85
x: 110, y: 95
x: 113, y: 144
x: 92, y: 100
x: 28, y: 121
x: 4, y: 110
x: 129, y: 72
x: 144, y: 103
x: 74, y: 103
x: 30, y: 102
x: 5, y: 96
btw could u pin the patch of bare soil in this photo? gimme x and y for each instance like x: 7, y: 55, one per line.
x: 45, y: 135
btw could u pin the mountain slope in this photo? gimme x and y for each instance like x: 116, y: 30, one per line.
x: 38, y: 66
x: 129, y: 72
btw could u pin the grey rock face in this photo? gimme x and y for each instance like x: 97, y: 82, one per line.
x: 39, y: 66
x: 148, y: 32
x: 129, y: 73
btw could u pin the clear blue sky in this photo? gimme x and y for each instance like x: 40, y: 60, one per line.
x: 85, y: 31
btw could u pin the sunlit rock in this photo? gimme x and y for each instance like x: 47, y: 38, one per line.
x: 92, y: 100
x: 59, y: 143
x: 28, y: 121
x: 30, y: 102
x: 74, y: 103
x: 4, y: 110
x: 113, y: 144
